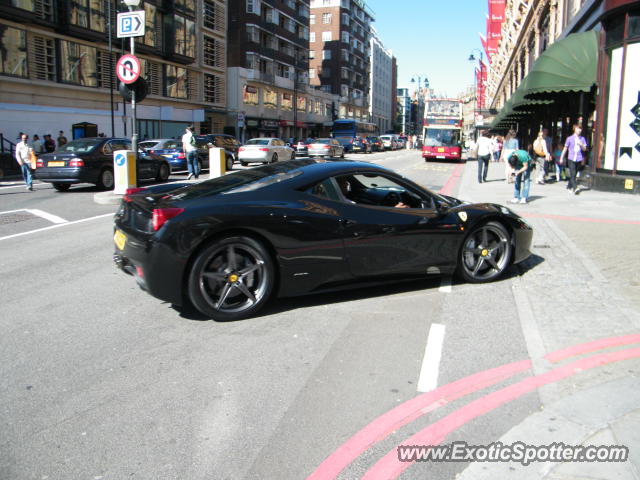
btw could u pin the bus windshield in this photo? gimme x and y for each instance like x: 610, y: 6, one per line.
x: 441, y: 137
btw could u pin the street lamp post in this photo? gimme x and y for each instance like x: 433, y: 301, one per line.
x: 418, y: 97
x: 133, y: 4
x: 476, y: 105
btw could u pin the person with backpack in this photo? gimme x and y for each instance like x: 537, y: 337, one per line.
x: 541, y: 149
x: 191, y: 153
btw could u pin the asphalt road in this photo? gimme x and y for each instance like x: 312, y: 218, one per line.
x: 100, y: 380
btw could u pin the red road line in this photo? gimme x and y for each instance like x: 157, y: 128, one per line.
x: 448, y: 187
x: 580, y: 219
x: 389, y: 467
x: 591, y: 346
x: 408, y: 411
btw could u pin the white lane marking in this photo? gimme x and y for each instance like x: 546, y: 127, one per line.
x: 12, y: 211
x: 22, y: 185
x: 445, y: 284
x: 47, y: 216
x: 428, y: 379
x: 55, y: 226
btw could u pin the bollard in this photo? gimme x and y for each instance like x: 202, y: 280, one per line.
x: 124, y: 171
x: 217, y: 163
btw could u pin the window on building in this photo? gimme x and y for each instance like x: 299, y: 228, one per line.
x: 253, y: 6
x: 302, y: 103
x: 326, y: 54
x: 269, y: 98
x: 214, y: 16
x: 177, y: 82
x: 326, y: 18
x: 13, y: 55
x: 283, y: 71
x: 312, y: 19
x: 152, y: 26
x: 312, y: 54
x: 214, y: 88
x: 213, y: 52
x: 345, y: 37
x: 250, y: 95
x: 78, y: 64
x: 312, y: 73
x: 287, y: 102
x: 42, y: 62
x: 185, y: 36
x: 345, y: 19
x: 326, y: 36
x: 312, y: 37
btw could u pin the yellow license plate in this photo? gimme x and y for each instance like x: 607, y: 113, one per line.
x: 55, y: 164
x: 441, y: 150
x: 120, y: 239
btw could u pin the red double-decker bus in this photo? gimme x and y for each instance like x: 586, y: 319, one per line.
x: 442, y: 132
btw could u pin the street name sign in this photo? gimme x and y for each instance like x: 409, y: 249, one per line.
x: 131, y: 24
x: 128, y: 68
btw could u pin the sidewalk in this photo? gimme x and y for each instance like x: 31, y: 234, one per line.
x: 576, y: 288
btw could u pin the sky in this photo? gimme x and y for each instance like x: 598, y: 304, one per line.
x: 433, y: 39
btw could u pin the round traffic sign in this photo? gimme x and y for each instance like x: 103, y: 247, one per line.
x: 128, y: 68
x: 120, y: 158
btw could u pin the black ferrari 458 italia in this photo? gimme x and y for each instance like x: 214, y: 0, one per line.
x: 229, y: 244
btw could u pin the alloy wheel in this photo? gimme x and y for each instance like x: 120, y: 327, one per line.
x: 486, y: 253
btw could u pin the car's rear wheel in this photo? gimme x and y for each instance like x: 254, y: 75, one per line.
x: 232, y: 278
x: 163, y: 173
x: 244, y: 164
x: 229, y: 161
x: 105, y: 180
x: 485, y: 253
x: 274, y: 158
x: 62, y: 187
x: 342, y: 154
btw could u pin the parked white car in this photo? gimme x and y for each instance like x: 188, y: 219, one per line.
x: 389, y: 142
x: 265, y: 150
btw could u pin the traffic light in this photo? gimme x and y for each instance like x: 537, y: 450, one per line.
x: 139, y: 87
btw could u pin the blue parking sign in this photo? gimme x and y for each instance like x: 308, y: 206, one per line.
x: 131, y: 24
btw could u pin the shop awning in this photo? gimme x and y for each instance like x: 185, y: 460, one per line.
x: 569, y: 65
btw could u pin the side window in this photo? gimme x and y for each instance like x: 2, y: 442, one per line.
x: 120, y: 145
x: 218, y: 142
x: 107, y: 149
x: 325, y: 189
x: 379, y: 190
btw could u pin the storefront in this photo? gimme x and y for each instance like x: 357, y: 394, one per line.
x: 617, y: 156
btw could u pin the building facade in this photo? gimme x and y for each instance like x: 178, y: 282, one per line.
x: 380, y: 80
x: 403, y: 102
x: 58, y: 67
x: 606, y: 34
x: 268, y: 84
x: 340, y: 53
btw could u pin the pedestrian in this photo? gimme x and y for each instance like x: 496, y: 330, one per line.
x: 49, y: 143
x: 36, y: 144
x: 496, y: 141
x: 557, y: 153
x: 485, y: 152
x: 541, y: 150
x: 509, y: 146
x: 62, y: 140
x: 414, y: 141
x: 23, y: 157
x: 191, y: 153
x: 574, y: 152
x: 520, y: 161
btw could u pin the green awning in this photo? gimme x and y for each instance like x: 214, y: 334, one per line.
x: 569, y: 65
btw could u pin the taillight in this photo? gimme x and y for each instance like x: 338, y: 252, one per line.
x: 241, y: 149
x: 181, y: 155
x: 161, y: 215
x: 76, y: 162
x: 351, y: 142
x: 264, y: 149
x: 152, y: 152
x: 131, y: 191
x: 327, y: 147
x: 39, y: 163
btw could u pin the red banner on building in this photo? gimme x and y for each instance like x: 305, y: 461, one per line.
x: 481, y: 82
x: 495, y: 19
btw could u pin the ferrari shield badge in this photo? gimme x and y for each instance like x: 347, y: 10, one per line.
x: 463, y: 216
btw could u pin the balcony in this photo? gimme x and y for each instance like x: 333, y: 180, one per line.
x: 260, y: 76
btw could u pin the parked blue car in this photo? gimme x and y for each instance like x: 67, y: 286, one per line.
x: 171, y: 149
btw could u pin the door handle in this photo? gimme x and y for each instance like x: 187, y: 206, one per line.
x: 348, y: 222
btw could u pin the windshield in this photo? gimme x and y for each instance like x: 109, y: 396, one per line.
x: 258, y: 141
x: 344, y: 140
x: 344, y: 127
x: 82, y: 145
x: 441, y: 137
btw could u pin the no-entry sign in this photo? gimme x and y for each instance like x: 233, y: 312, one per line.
x: 128, y: 68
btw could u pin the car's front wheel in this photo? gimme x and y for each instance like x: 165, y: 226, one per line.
x: 485, y: 253
x: 62, y: 187
x: 231, y: 278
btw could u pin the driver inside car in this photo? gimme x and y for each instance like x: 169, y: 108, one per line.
x: 345, y: 188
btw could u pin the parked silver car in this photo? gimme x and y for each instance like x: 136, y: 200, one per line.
x: 326, y: 147
x: 265, y: 150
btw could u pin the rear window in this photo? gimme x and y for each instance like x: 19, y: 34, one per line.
x: 324, y: 141
x: 258, y: 141
x: 79, y: 146
x: 242, y: 181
